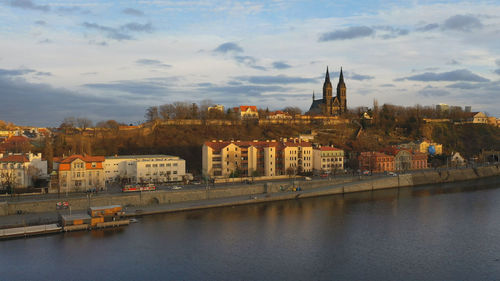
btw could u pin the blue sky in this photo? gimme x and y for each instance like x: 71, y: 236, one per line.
x: 112, y: 59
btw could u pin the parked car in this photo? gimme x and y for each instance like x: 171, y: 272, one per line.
x: 392, y: 174
x: 307, y: 178
x: 367, y: 173
x: 176, y: 187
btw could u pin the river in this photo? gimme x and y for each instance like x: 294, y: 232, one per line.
x: 438, y: 232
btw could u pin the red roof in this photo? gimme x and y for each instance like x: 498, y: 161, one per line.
x: 77, y: 156
x: 15, y: 158
x: 246, y: 107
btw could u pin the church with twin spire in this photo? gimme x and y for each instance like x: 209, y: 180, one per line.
x: 329, y: 105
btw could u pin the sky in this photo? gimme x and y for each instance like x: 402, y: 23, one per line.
x: 113, y: 59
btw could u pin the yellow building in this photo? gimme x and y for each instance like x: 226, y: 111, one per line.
x: 256, y: 158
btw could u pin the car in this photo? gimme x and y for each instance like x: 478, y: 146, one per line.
x: 307, y: 178
x: 392, y: 174
x: 324, y: 175
x: 367, y: 173
x: 196, y: 182
x: 176, y: 187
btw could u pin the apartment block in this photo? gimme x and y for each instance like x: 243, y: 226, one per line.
x: 327, y: 159
x: 144, y: 168
x: 256, y: 158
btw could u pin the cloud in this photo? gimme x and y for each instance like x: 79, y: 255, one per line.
x: 151, y: 87
x: 456, y: 75
x: 360, y: 77
x: 228, y: 47
x: 133, y: 12
x: 45, y: 41
x: 150, y: 62
x: 497, y: 62
x: 137, y: 27
x: 281, y: 65
x: 348, y: 33
x: 111, y: 33
x: 430, y: 91
x: 27, y: 5
x: 453, y: 62
x: 29, y: 103
x: 249, y: 61
x: 15, y: 72
x: 497, y: 71
x: 70, y: 10
x: 465, y: 86
x: 428, y: 27
x: 97, y: 43
x: 387, y: 85
x: 241, y: 90
x: 21, y: 72
x: 280, y: 79
x: 392, y: 32
x: 462, y: 23
x: 40, y: 22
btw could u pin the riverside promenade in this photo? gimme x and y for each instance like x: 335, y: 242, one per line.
x: 184, y: 200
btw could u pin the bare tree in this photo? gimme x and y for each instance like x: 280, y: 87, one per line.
x: 152, y: 114
x: 292, y: 110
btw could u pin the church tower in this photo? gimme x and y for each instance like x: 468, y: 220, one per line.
x: 341, y: 93
x: 327, y: 94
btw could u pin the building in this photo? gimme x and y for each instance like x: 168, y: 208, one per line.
x: 418, y: 160
x: 376, y: 162
x: 256, y: 158
x: 424, y: 146
x: 329, y: 105
x: 247, y: 112
x: 278, y: 114
x: 402, y: 158
x: 327, y: 159
x: 144, y: 169
x: 443, y: 107
x: 20, y: 170
x: 477, y: 118
x: 79, y: 173
x: 457, y: 160
x: 217, y: 107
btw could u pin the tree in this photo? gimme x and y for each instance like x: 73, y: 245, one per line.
x: 8, y: 180
x: 292, y: 110
x: 152, y: 114
x: 83, y: 123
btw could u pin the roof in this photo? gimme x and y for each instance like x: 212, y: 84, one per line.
x: 15, y: 158
x: 77, y: 156
x: 75, y: 217
x: 246, y: 107
x: 329, y: 148
x: 216, y: 145
x: 140, y: 156
x: 104, y: 207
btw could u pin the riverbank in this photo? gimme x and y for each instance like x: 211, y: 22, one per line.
x: 35, y: 212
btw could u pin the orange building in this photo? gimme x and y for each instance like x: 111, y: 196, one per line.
x: 80, y: 173
x: 419, y: 160
x: 376, y: 162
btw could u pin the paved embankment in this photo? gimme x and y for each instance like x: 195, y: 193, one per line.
x: 44, y: 211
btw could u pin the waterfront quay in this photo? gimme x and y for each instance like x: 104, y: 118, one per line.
x: 43, y: 211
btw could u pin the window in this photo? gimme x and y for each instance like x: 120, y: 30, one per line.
x: 175, y: 173
x: 175, y: 164
x: 155, y: 165
x: 162, y: 165
x: 148, y: 165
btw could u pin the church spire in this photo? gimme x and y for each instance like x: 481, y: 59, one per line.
x: 313, y: 95
x: 327, y: 77
x: 341, y: 83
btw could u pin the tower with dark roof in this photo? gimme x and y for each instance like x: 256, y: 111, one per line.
x: 327, y: 94
x: 341, y: 93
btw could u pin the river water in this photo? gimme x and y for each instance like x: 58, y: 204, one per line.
x: 439, y: 232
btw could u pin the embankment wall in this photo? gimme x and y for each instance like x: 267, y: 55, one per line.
x: 311, y: 188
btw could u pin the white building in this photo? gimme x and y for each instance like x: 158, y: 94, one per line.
x: 19, y: 170
x: 144, y: 168
x: 327, y: 159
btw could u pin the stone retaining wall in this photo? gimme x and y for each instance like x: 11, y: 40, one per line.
x: 311, y: 188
